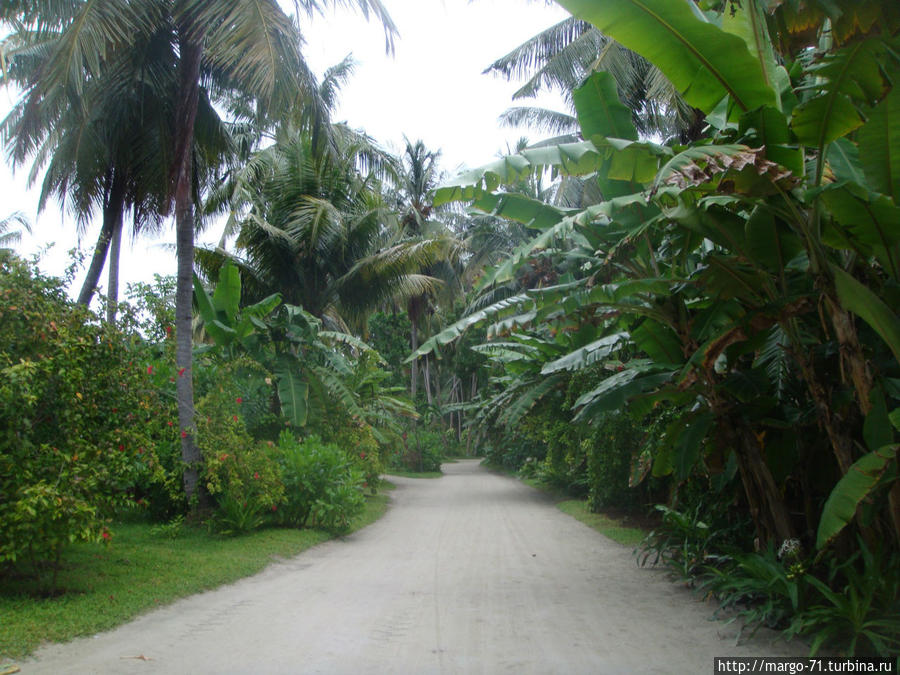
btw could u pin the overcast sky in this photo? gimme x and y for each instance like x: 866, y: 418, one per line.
x: 431, y: 89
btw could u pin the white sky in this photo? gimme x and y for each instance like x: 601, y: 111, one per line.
x: 432, y: 89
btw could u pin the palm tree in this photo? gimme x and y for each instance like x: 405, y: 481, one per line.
x: 314, y: 227
x: 562, y: 56
x: 245, y: 47
x: 419, y: 177
x: 8, y: 236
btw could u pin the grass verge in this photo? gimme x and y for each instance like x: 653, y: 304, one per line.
x: 106, y: 586
x: 604, y: 524
x: 403, y: 473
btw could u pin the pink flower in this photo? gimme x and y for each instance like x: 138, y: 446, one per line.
x: 239, y: 399
x: 149, y: 370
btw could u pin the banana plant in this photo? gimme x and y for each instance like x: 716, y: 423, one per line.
x: 754, y: 271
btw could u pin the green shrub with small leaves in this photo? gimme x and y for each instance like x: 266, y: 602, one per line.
x: 322, y: 487
x: 358, y: 440
x: 242, y: 475
x: 74, y: 405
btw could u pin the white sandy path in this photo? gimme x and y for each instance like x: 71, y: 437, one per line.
x: 470, y: 573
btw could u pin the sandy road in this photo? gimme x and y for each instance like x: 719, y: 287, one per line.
x: 471, y: 573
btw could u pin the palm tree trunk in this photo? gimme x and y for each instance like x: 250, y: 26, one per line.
x: 186, y: 115
x: 427, y: 376
x: 112, y: 291
x: 414, y: 366
x: 113, y: 205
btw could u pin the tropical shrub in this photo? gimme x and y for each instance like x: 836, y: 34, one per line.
x: 242, y: 475
x: 74, y: 407
x: 613, y: 447
x: 358, y: 441
x: 322, y: 487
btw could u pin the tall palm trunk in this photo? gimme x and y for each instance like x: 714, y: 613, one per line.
x: 186, y: 115
x: 112, y: 291
x: 113, y: 206
x: 414, y: 366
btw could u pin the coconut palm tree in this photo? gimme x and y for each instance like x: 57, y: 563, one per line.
x: 314, y: 227
x: 9, y: 236
x: 562, y: 56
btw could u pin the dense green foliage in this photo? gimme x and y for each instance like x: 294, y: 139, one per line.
x: 725, y: 302
x: 147, y: 566
x: 76, y: 413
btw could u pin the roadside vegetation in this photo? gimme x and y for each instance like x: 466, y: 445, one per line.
x: 699, y: 315
x: 144, y: 567
x: 681, y: 302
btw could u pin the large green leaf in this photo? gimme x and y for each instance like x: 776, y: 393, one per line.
x: 587, y: 355
x: 600, y: 113
x: 879, y: 146
x: 227, y: 296
x: 529, y: 398
x: 531, y: 212
x: 704, y: 62
x: 861, y: 478
x: 687, y: 448
x: 203, y: 301
x: 293, y: 391
x: 845, y: 78
x: 864, y: 221
x: 500, y: 309
x: 863, y: 302
x: 659, y: 342
x: 615, y: 391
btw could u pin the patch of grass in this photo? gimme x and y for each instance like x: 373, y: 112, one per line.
x: 106, y: 586
x: 605, y: 525
x: 403, y: 473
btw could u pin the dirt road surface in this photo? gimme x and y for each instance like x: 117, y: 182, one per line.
x: 469, y: 573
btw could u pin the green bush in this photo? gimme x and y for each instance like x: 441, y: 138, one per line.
x: 357, y: 439
x: 74, y: 407
x: 242, y: 475
x: 610, y: 448
x: 322, y: 487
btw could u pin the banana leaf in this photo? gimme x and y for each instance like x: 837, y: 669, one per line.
x: 704, y: 62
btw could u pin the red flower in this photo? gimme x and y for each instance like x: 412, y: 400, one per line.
x: 181, y: 372
x: 362, y: 455
x: 274, y: 508
x: 121, y: 447
x: 234, y: 417
x: 169, y: 423
x: 239, y: 399
x: 223, y: 457
x: 105, y: 535
x: 168, y: 330
x: 256, y: 475
x: 184, y: 434
x: 149, y: 370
